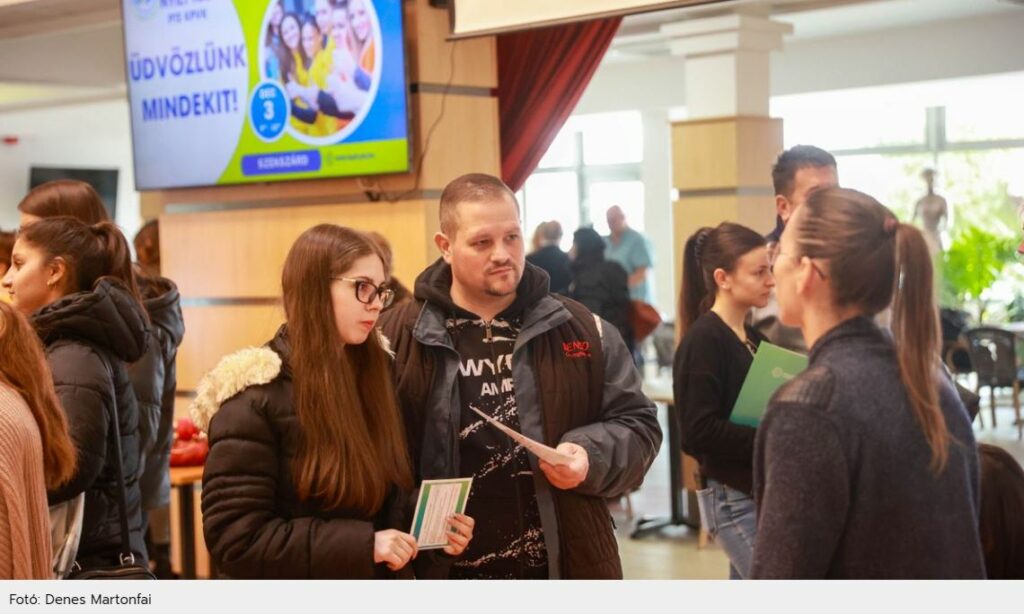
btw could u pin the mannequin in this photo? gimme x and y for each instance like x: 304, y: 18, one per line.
x: 933, y: 211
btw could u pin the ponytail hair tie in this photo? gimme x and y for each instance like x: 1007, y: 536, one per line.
x: 698, y: 248
x: 891, y: 225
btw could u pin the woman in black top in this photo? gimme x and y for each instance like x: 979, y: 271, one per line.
x: 725, y: 275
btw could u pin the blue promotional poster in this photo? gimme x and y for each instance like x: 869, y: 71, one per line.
x: 239, y: 91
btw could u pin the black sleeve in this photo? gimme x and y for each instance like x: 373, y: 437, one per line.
x: 83, y: 386
x: 329, y: 107
x: 304, y: 114
x: 697, y: 390
x: 246, y: 534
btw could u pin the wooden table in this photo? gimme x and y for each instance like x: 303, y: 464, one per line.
x: 660, y: 391
x: 184, y: 480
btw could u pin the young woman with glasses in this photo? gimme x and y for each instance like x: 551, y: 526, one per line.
x: 865, y: 464
x: 725, y: 275
x: 308, y: 474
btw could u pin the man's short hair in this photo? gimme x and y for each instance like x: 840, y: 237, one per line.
x: 551, y: 231
x: 474, y: 187
x: 794, y: 159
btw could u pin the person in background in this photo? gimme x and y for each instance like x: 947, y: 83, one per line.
x: 360, y: 43
x: 6, y: 245
x: 36, y: 451
x: 633, y: 251
x: 484, y: 332
x: 147, y: 248
x: 598, y: 283
x: 865, y: 465
x: 725, y: 275
x: 272, y: 68
x: 308, y: 475
x: 75, y: 283
x: 154, y: 379
x: 295, y: 69
x: 70, y: 197
x: 550, y: 257
x: 322, y: 15
x: 797, y: 172
x: 1001, y: 519
x: 402, y: 294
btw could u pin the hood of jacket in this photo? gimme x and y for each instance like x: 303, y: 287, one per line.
x: 252, y: 366
x: 106, y: 316
x: 434, y: 285
x: 162, y: 301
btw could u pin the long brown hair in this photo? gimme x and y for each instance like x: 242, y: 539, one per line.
x: 90, y: 253
x: 875, y: 261
x: 352, y: 439
x: 23, y: 367
x: 705, y: 251
x: 70, y: 197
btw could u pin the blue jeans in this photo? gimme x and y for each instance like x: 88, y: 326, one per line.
x: 730, y: 518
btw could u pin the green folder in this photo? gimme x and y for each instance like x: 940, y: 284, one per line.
x: 772, y: 367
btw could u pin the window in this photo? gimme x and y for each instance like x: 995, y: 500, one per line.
x: 592, y: 164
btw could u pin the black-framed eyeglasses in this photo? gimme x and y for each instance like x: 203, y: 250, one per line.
x: 773, y: 257
x: 367, y: 291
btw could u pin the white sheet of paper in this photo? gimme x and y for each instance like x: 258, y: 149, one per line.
x: 438, y: 500
x: 543, y: 452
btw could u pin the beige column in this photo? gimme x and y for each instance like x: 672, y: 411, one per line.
x: 723, y: 154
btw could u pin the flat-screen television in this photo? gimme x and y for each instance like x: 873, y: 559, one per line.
x: 238, y: 91
x: 103, y: 180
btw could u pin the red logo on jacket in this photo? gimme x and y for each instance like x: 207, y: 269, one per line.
x: 576, y: 349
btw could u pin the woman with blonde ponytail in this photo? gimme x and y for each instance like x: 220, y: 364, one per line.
x: 865, y: 465
x: 74, y: 283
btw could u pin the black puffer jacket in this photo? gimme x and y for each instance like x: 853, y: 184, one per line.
x: 89, y: 336
x: 254, y: 523
x: 603, y: 287
x: 154, y: 380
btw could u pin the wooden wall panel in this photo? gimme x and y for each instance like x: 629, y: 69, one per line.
x: 475, y: 60
x: 216, y: 330
x: 239, y: 253
x: 728, y: 152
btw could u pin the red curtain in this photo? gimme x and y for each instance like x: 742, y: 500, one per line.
x: 541, y: 76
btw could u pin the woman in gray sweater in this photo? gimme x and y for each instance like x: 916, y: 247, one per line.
x: 865, y: 465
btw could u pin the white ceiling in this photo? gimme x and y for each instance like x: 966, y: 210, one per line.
x: 89, y: 32
x: 639, y: 35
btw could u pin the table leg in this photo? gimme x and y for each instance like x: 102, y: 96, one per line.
x: 187, y: 526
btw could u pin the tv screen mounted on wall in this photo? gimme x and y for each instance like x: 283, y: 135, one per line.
x: 239, y: 91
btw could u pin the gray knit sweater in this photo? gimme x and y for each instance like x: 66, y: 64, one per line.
x: 842, y: 478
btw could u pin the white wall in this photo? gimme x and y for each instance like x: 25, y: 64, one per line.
x: 939, y: 50
x: 88, y: 135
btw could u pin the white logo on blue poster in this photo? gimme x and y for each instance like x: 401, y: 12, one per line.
x: 144, y: 9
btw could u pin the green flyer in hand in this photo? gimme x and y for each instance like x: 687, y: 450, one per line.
x: 772, y: 367
x: 438, y: 500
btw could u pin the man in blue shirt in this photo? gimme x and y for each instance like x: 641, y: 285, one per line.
x: 632, y: 250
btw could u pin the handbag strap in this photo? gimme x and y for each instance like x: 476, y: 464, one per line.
x: 127, y: 556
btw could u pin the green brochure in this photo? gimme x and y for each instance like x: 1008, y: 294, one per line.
x: 772, y: 367
x: 438, y: 500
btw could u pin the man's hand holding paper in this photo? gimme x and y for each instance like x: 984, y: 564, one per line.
x: 570, y: 475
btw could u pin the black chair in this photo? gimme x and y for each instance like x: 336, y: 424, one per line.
x: 994, y: 357
x: 664, y: 339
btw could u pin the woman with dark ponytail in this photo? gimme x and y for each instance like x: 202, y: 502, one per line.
x: 725, y: 275
x: 865, y: 464
x: 75, y: 284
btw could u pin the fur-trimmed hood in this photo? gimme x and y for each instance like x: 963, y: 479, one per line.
x: 252, y: 366
x: 234, y: 373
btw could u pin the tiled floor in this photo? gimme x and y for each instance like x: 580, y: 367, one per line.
x: 673, y: 553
